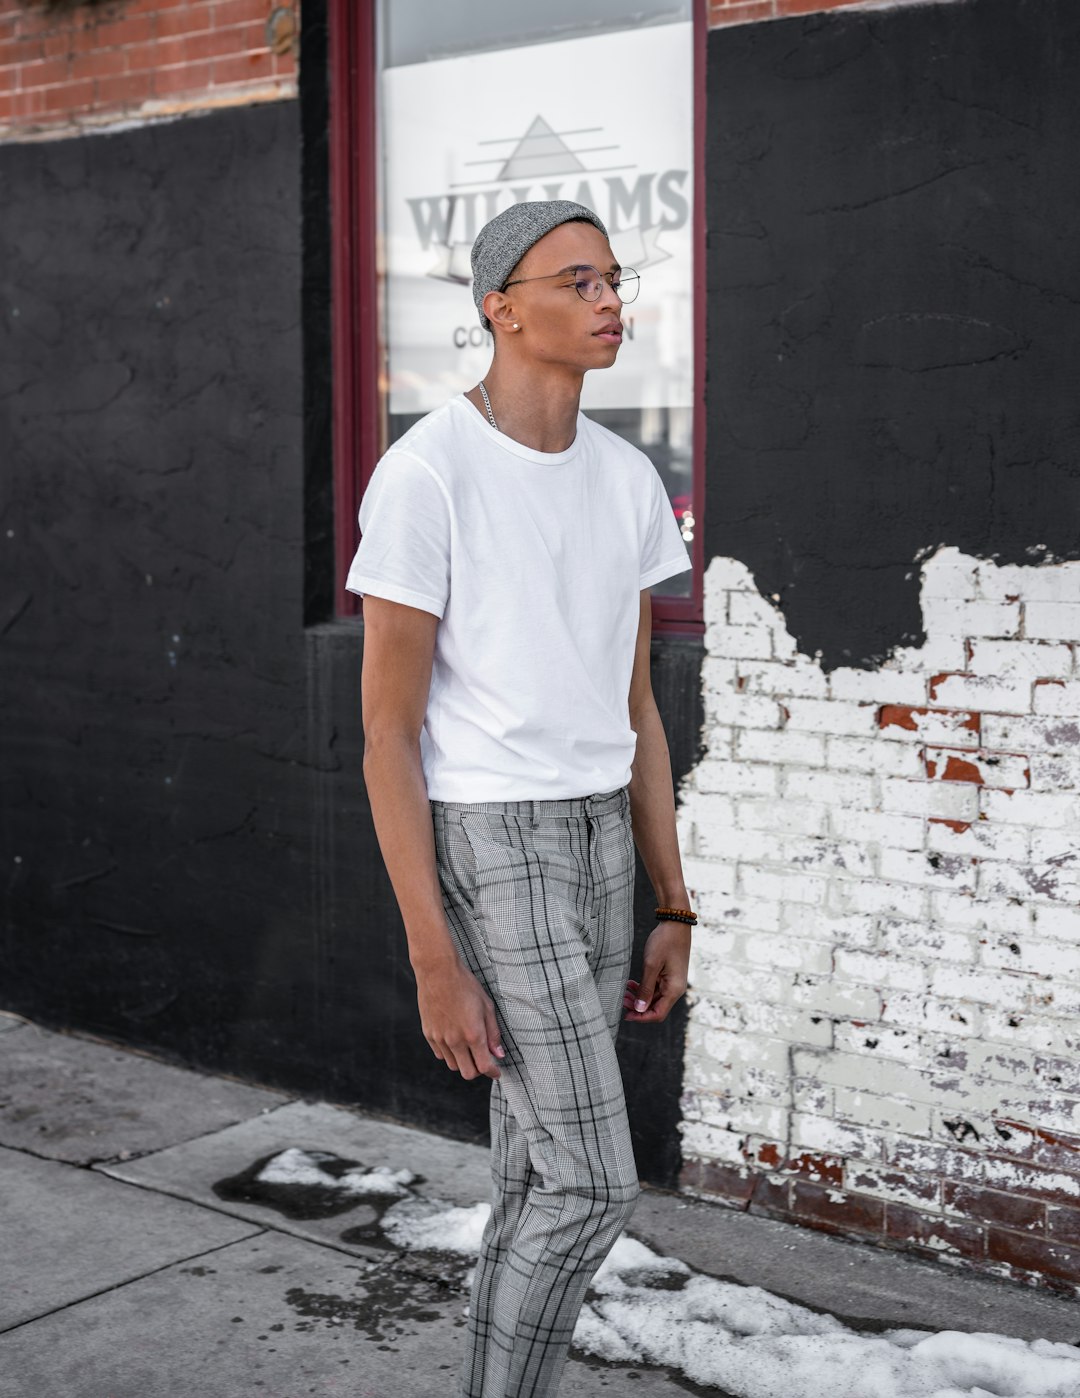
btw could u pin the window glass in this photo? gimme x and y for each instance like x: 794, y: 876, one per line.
x: 485, y: 104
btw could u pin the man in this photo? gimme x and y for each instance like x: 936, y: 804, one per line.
x: 513, y: 755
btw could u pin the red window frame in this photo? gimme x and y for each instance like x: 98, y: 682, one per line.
x: 357, y: 366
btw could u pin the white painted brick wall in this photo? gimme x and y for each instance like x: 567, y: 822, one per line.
x: 886, y: 865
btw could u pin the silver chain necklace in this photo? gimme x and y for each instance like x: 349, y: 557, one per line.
x: 487, y: 404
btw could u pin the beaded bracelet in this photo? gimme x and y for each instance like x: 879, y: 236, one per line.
x: 676, y: 915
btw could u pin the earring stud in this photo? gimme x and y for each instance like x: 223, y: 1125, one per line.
x: 516, y: 325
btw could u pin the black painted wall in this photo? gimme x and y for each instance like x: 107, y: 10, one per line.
x: 893, y: 296
x: 189, y: 860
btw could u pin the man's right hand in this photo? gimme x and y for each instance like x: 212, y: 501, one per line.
x: 458, y: 1019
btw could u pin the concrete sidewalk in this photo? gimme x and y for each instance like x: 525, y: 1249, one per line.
x: 141, y: 1258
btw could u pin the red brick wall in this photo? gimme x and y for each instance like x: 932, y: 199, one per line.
x: 88, y: 65
x: 747, y: 11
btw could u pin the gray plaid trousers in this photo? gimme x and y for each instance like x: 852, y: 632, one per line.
x: 538, y: 898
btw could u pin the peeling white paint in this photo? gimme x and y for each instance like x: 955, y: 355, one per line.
x: 906, y: 882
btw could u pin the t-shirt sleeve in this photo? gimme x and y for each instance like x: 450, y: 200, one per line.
x: 404, y: 550
x: 663, y: 551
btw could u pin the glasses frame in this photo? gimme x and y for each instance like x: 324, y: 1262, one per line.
x: 585, y: 267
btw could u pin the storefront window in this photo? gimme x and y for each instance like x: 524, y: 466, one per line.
x: 484, y: 105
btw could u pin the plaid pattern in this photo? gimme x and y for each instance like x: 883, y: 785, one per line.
x: 538, y: 897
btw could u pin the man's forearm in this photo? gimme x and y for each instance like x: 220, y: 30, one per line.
x: 652, y: 809
x: 394, y: 777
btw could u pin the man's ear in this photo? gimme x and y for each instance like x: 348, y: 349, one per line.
x: 499, y: 310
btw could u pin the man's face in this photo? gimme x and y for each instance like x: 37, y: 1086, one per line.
x: 558, y: 325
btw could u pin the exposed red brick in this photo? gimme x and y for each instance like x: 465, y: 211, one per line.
x: 122, y: 89
x: 242, y: 67
x: 936, y: 680
x: 925, y: 1187
x: 1056, y: 1153
x: 57, y: 64
x: 915, y: 1229
x: 221, y: 43
x: 1039, y: 682
x: 184, y: 19
x: 740, y: 13
x: 162, y: 53
x: 957, y: 769
x: 1032, y: 1179
x: 770, y: 1196
x: 1051, y: 1150
x: 840, y: 1210
x: 828, y: 1169
x: 67, y: 96
x: 28, y: 106
x: 185, y: 77
x: 102, y: 63
x: 46, y: 72
x: 1034, y: 1254
x: 105, y: 30
x: 57, y: 45
x: 920, y: 1157
x: 1062, y: 1224
x: 28, y: 21
x: 995, y: 1206
x: 769, y: 1153
x: 229, y: 12
x: 960, y: 826
x: 724, y: 1180
x: 802, y: 7
x: 923, y: 1231
x: 20, y: 50
x: 905, y: 715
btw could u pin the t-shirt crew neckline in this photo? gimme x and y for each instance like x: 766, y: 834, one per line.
x: 539, y: 458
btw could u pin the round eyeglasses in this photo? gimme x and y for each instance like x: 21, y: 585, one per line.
x: 589, y: 282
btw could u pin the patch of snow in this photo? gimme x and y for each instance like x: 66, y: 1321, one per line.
x: 300, y: 1167
x: 628, y: 1255
x: 752, y: 1344
x: 646, y: 1308
x: 381, y: 1180
x: 294, y: 1166
x: 423, y: 1224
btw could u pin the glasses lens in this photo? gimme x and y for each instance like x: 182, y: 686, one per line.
x: 589, y: 283
x: 627, y: 284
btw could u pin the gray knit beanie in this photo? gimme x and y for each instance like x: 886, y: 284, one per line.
x: 504, y: 240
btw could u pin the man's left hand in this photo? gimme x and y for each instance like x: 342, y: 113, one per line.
x: 663, y: 978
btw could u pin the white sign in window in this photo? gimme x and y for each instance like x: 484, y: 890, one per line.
x: 604, y: 118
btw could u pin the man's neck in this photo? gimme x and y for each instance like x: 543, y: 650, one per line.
x: 539, y: 411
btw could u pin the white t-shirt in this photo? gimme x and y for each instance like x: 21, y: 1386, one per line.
x: 534, y: 561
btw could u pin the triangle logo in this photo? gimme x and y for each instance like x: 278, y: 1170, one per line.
x: 540, y: 152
